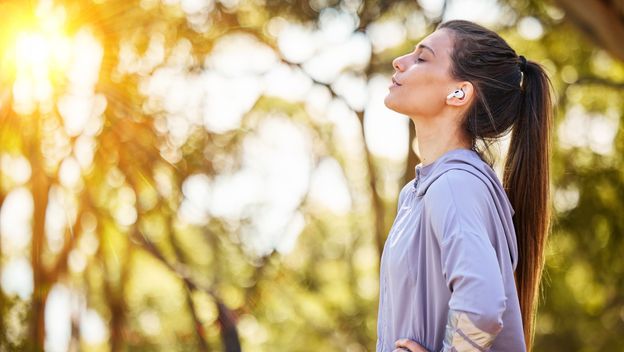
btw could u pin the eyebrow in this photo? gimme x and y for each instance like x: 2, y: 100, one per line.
x: 425, y: 47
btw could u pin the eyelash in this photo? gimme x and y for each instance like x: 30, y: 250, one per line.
x: 420, y: 60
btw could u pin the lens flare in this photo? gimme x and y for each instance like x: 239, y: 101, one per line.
x: 34, y: 55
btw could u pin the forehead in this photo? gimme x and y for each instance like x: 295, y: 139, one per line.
x: 440, y: 41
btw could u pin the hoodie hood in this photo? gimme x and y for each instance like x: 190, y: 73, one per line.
x: 470, y: 161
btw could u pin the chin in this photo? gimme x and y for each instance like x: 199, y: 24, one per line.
x: 392, y: 105
x: 389, y: 103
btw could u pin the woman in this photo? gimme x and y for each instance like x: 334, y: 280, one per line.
x: 461, y: 267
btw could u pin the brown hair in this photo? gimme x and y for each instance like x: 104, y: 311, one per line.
x: 512, y: 95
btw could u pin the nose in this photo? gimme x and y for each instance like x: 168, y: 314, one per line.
x: 396, y: 63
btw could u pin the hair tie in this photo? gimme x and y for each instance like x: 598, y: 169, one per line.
x: 523, y: 63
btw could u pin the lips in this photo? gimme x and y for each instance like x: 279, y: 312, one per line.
x: 394, y: 84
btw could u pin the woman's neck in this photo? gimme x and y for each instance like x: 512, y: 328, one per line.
x: 435, y: 138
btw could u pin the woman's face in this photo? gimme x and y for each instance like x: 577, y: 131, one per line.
x: 423, y: 77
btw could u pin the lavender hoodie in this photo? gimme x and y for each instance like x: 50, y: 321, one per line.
x: 447, y: 268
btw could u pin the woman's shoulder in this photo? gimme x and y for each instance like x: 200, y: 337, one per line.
x: 405, y: 190
x: 458, y: 185
x: 458, y: 201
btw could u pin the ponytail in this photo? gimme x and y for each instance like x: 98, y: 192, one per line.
x: 527, y: 183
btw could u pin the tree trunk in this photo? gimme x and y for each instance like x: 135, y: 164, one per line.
x: 40, y: 190
x: 602, y: 21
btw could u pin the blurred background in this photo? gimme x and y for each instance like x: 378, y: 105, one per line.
x: 208, y: 175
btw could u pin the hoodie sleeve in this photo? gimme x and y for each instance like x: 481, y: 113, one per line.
x: 458, y: 203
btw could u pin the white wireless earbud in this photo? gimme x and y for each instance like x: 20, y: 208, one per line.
x: 458, y: 93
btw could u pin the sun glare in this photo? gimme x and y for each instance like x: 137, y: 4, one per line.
x: 36, y: 55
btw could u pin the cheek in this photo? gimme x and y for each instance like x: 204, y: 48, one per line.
x: 429, y: 81
x: 426, y: 101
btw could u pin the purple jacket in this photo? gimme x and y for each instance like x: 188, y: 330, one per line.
x: 447, y: 268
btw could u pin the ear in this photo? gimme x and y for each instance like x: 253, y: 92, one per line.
x: 468, y: 90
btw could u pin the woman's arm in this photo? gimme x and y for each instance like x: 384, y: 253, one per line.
x: 459, y: 207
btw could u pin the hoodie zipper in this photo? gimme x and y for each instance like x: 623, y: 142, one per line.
x: 416, y: 181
